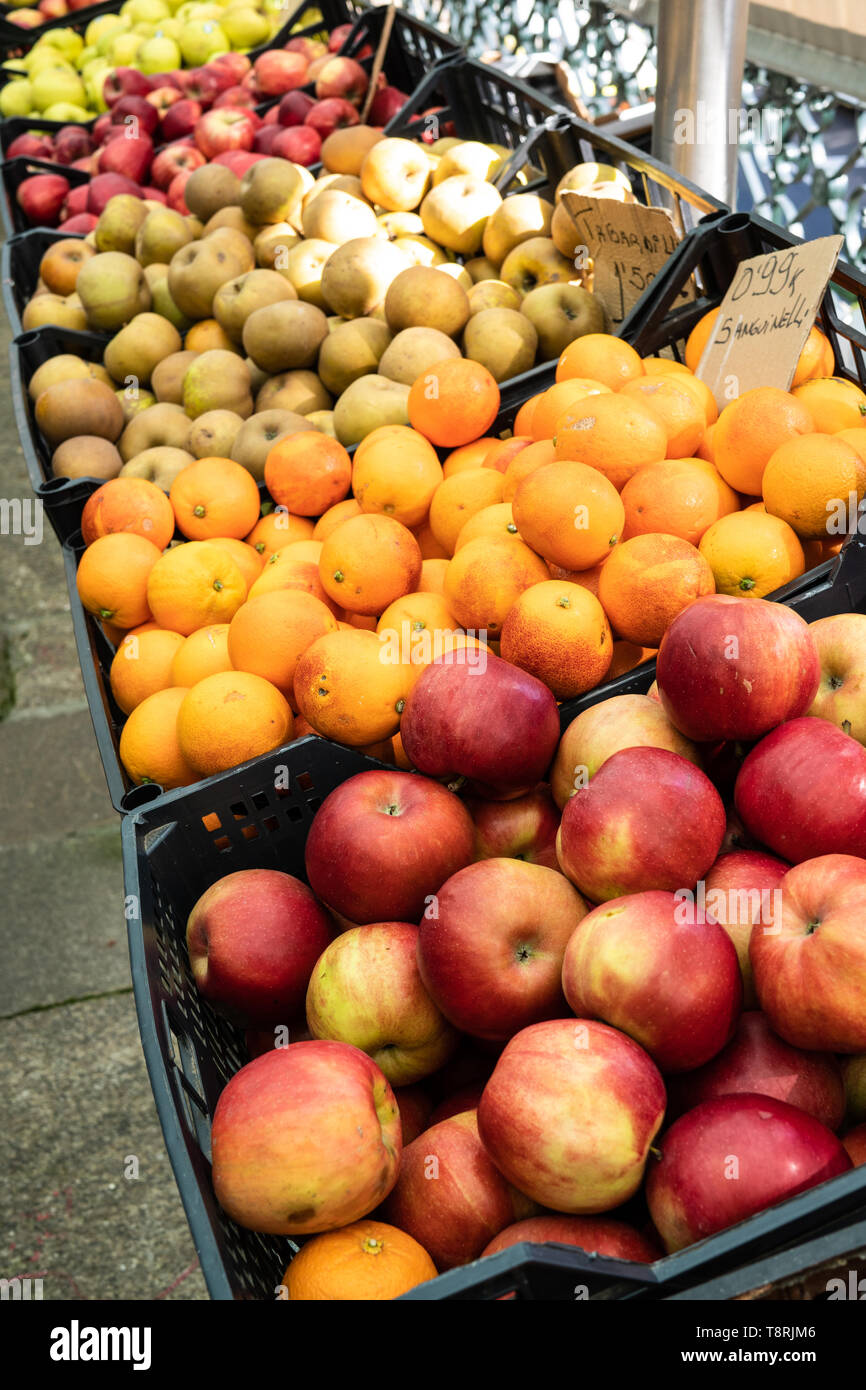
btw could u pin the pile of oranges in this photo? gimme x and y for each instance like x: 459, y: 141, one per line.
x: 622, y: 496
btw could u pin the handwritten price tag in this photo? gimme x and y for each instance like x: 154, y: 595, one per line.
x: 628, y: 244
x: 765, y: 319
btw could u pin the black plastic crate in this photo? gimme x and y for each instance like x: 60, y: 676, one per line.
x: 19, y: 269
x: 14, y: 40
x: 238, y: 820
x: 12, y: 175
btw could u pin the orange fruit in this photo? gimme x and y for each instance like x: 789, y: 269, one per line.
x: 813, y: 357
x: 368, y: 562
x: 416, y: 626
x: 469, y: 455
x: 432, y: 579
x: 486, y: 577
x: 500, y: 455
x: 587, y: 579
x: 248, y: 560
x: 855, y: 439
x: 678, y: 408
x: 277, y: 529
x: 331, y: 519
x: 393, y: 432
x: 193, y: 585
x: 626, y: 656
x: 113, y: 577
x: 128, y: 504
x: 282, y: 571
x: 149, y: 748
x: 601, y: 357
x: 358, y: 1263
x: 559, y: 632
x: 833, y: 403
x: 458, y: 498
x: 811, y: 482
x: 523, y: 418
x: 814, y: 552
x: 657, y: 366
x: 229, y: 718
x: 116, y: 634
x: 398, y: 479
x: 698, y: 338
x: 492, y: 523
x: 308, y: 472
x: 751, y: 554
x: 693, y: 385
x: 569, y: 513
x: 453, y: 402
x: 615, y: 434
x: 557, y: 398
x: 705, y: 448
x: 142, y: 665
x: 203, y: 653
x: 679, y: 497
x: 268, y: 634
x: 532, y: 457
x: 428, y: 544
x: 349, y: 687
x: 750, y: 429
x: 215, y: 497
x: 647, y: 581
x: 304, y: 550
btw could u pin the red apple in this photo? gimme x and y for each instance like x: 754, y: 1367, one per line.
x: 32, y: 147
x: 366, y: 990
x: 466, y: 1098
x: 294, y: 107
x: 524, y: 828
x: 756, y: 1061
x: 306, y: 1138
x: 841, y: 698
x: 53, y: 9
x: 648, y: 819
x: 237, y: 65
x: 415, y: 1106
x: 383, y: 843
x: 386, y: 104
x: 41, y: 197
x: 660, y: 969
x: 742, y: 889
x: 338, y: 37
x: 158, y: 80
x: 732, y: 1157
x: 734, y: 668
x: 333, y: 114
x: 136, y: 114
x: 597, y: 1235
x: 810, y: 969
x: 235, y: 96
x: 204, y: 84
x: 163, y: 98
x: 124, y: 82
x: 802, y: 791
x: 265, y: 139
x: 180, y: 119
x: 490, y: 722
x: 175, y: 198
x: 227, y: 129
x: 77, y: 200
x: 278, y: 71
x: 238, y: 160
x: 132, y: 158
x: 491, y: 953
x: 154, y: 195
x: 253, y: 939
x: 82, y: 222
x: 103, y: 129
x: 310, y: 48
x: 570, y: 1112
x: 854, y: 1143
x: 342, y: 77
x: 173, y: 160
x: 71, y: 142
x: 449, y: 1195
x: 301, y: 144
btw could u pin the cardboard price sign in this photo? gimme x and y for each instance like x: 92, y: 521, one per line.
x: 629, y: 244
x: 766, y: 317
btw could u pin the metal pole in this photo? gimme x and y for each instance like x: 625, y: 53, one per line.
x: 701, y: 51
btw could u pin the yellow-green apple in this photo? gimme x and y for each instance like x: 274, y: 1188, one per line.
x: 732, y: 1157
x: 383, y: 843
x: 533, y: 263
x: 450, y: 1196
x: 490, y: 949
x: 743, y: 889
x: 396, y: 174
x: 648, y: 819
x: 518, y: 218
x: 854, y: 1143
x: 810, y: 968
x: 489, y: 722
x: 660, y: 968
x: 757, y: 1061
x: 802, y: 791
x: 253, y: 939
x: 455, y: 212
x: 597, y: 1235
x: 734, y: 668
x: 623, y: 721
x: 366, y: 990
x: 854, y: 1075
x: 841, y: 697
x: 415, y: 1108
x: 522, y: 828
x: 570, y: 1112
x: 305, y: 1138
x: 560, y: 312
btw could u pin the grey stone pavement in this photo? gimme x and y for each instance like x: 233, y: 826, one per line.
x: 75, y: 1100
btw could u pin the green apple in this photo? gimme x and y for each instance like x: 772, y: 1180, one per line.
x: 103, y: 24
x: 159, y: 54
x: 170, y: 28
x: 244, y: 28
x: 52, y: 85
x: 66, y: 41
x: 94, y: 84
x: 46, y: 58
x: 145, y: 11
x: 201, y: 40
x: 123, y: 50
x: 16, y: 98
x: 68, y: 112
x: 194, y: 9
x: 87, y: 55
x: 120, y: 26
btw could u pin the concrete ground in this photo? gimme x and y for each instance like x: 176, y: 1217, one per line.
x: 76, y: 1100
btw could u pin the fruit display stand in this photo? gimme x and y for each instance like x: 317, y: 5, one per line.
x: 258, y: 816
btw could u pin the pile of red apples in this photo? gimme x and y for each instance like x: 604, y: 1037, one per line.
x: 606, y: 988
x: 232, y: 111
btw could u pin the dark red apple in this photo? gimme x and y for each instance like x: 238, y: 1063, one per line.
x: 294, y: 107
x: 204, y: 84
x: 332, y: 114
x: 338, y: 37
x: 415, y: 1106
x: 33, y: 147
x: 386, y: 104
x: 382, y: 844
x: 136, y: 114
x: 124, y: 82
x: 734, y: 668
x: 802, y: 791
x: 154, y: 195
x: 235, y: 96
x: 301, y: 144
x: 742, y: 889
x: 523, y: 828
x: 263, y: 143
x: 71, y: 142
x: 489, y: 722
x: 180, y: 119
x: 238, y: 160
x: 732, y: 1157
x: 132, y: 158
x: 41, y: 197
x: 647, y: 819
x: 597, y: 1235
